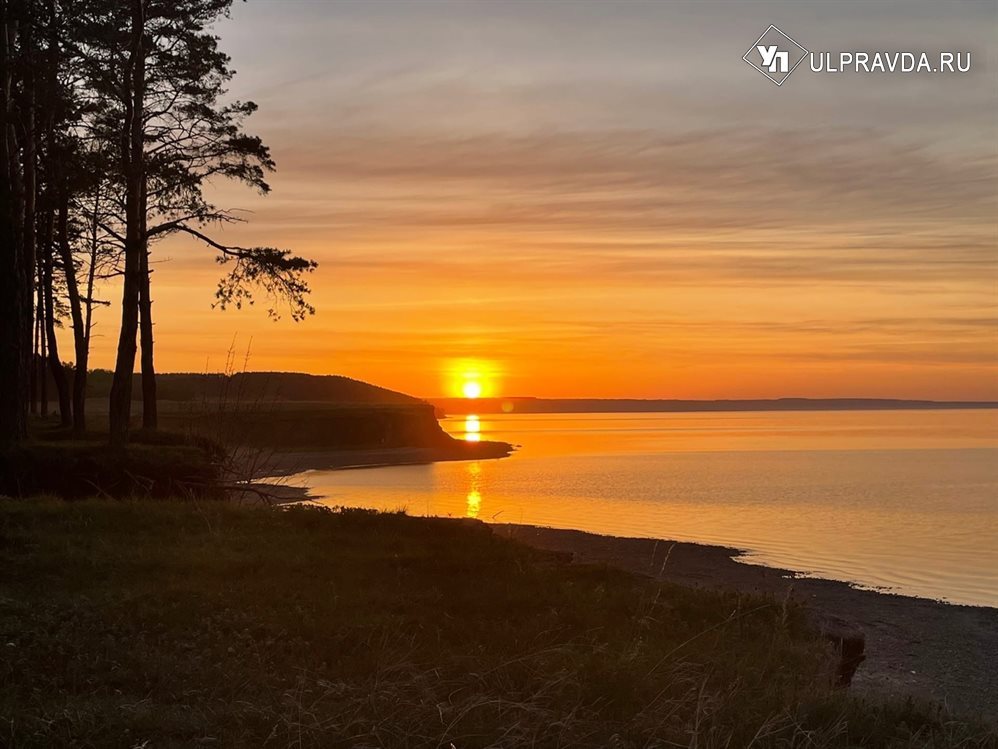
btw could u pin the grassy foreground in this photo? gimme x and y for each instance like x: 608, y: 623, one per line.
x: 161, y: 624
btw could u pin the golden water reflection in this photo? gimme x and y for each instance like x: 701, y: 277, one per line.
x: 903, y: 499
x: 472, y: 428
x: 474, y: 499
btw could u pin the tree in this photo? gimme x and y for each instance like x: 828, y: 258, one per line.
x: 16, y: 250
x: 162, y: 103
x: 78, y: 174
x: 112, y: 125
x: 37, y: 111
x: 55, y: 115
x: 87, y: 255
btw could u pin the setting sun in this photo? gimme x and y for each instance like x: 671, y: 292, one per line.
x: 472, y: 378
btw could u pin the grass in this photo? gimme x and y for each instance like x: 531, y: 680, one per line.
x: 167, y: 624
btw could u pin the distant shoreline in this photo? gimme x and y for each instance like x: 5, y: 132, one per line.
x: 456, y: 406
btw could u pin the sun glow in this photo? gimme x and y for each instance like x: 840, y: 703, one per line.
x: 471, y: 379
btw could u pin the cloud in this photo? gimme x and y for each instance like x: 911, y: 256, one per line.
x: 543, y: 183
x: 839, y: 181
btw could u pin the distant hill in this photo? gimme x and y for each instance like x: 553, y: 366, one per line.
x: 249, y: 387
x: 628, y: 405
x: 258, y: 386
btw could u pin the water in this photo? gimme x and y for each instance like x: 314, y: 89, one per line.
x: 901, y: 500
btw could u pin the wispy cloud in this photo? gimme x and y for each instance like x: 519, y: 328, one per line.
x: 543, y: 183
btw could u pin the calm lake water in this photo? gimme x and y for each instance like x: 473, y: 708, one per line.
x: 902, y: 500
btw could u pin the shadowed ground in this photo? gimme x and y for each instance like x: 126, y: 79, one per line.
x: 167, y: 624
x: 913, y: 645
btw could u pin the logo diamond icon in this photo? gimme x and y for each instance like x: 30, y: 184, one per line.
x: 775, y: 54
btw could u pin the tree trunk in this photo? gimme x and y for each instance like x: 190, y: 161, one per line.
x: 83, y: 359
x: 55, y: 187
x: 80, y: 337
x: 36, y: 343
x: 42, y: 356
x: 54, y: 362
x: 133, y: 157
x: 150, y: 417
x: 16, y: 266
x: 120, y: 406
x: 28, y: 238
x: 14, y: 377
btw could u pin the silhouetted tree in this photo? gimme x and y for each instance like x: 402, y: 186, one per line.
x: 17, y: 257
x: 114, y: 120
x: 159, y: 81
x: 38, y: 129
x: 87, y: 255
x: 55, y: 116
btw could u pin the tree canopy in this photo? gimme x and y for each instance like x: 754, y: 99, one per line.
x: 117, y: 119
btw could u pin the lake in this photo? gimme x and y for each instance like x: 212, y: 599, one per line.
x: 900, y: 500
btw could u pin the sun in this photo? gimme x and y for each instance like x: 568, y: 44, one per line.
x: 471, y: 378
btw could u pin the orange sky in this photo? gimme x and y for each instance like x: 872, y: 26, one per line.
x: 593, y: 207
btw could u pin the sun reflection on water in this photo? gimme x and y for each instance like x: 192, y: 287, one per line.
x: 474, y: 493
x: 474, y: 504
x: 472, y: 428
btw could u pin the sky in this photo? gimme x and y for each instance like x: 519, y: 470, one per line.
x: 602, y: 199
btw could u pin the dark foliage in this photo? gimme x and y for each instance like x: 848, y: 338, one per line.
x: 116, y: 118
x: 73, y: 469
x: 262, y: 388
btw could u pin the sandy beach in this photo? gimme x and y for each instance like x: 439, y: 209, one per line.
x: 914, y: 646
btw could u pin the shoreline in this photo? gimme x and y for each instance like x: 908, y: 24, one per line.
x: 288, y: 463
x: 266, y: 476
x: 914, y: 646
